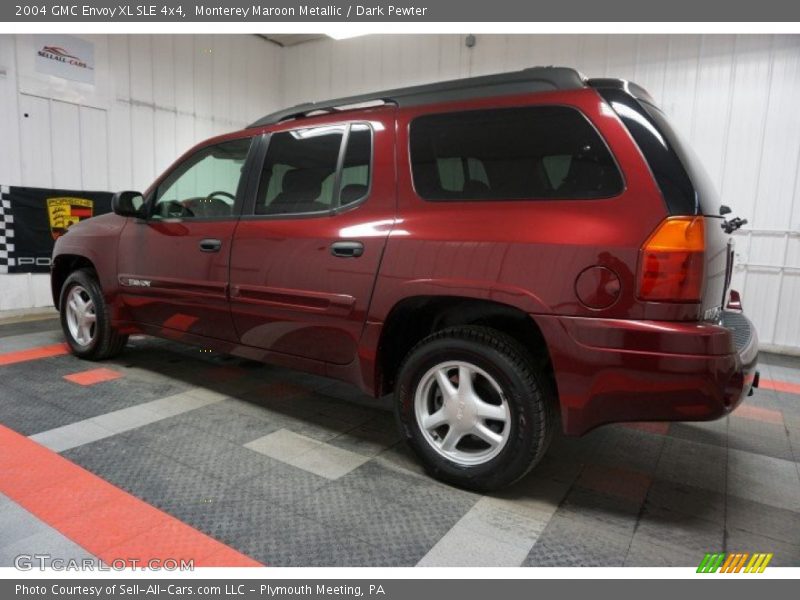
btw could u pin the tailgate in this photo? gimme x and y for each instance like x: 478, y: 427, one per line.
x: 718, y: 268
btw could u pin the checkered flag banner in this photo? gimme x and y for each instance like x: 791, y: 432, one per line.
x: 31, y: 219
x: 6, y: 230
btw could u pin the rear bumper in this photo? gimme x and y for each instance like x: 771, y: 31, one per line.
x: 612, y: 370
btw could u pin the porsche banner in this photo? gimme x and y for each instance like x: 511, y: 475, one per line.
x: 31, y: 219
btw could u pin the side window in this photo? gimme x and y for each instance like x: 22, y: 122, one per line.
x: 299, y: 171
x: 204, y: 185
x: 451, y: 173
x: 354, y: 183
x: 511, y: 154
x: 556, y: 168
x: 301, y: 168
x: 454, y: 173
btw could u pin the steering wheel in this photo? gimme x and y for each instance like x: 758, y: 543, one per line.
x: 228, y: 195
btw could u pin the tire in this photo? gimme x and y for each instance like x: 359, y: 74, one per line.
x: 502, y: 373
x: 102, y: 341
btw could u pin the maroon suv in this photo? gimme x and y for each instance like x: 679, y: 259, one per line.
x: 500, y: 252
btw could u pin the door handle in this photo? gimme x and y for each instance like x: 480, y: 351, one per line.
x: 347, y: 249
x: 210, y: 245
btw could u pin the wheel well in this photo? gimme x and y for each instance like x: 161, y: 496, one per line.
x: 63, y: 265
x: 413, y: 319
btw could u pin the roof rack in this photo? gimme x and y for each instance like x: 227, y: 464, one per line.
x: 534, y: 79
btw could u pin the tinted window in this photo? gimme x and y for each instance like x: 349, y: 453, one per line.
x: 672, y: 179
x: 354, y: 184
x: 511, y: 154
x: 299, y: 171
x: 707, y: 199
x: 680, y: 176
x: 205, y: 185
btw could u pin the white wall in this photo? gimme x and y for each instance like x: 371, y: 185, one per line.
x: 734, y: 97
x: 159, y: 95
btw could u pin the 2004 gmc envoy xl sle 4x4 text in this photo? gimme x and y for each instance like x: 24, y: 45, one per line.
x: 504, y: 253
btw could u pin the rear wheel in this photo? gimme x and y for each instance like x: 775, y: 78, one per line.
x: 473, y: 406
x: 85, y: 319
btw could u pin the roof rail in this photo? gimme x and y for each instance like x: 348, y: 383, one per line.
x: 534, y: 79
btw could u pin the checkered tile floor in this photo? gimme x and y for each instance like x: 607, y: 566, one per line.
x: 295, y: 470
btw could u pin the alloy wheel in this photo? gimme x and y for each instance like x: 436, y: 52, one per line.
x: 462, y: 412
x: 81, y: 316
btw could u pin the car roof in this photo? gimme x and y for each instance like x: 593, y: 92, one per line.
x: 530, y: 80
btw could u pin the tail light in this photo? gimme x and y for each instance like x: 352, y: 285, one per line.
x: 672, y: 261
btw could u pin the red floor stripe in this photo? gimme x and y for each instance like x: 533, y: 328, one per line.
x: 180, y: 322
x: 10, y: 358
x: 779, y: 386
x: 93, y: 376
x: 103, y: 519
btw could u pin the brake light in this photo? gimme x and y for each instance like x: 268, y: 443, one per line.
x: 672, y: 261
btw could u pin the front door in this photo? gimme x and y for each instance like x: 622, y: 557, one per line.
x: 173, y: 266
x: 306, y: 253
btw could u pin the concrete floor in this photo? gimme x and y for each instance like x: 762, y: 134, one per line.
x: 282, y: 468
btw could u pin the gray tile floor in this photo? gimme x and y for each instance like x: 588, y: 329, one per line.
x: 23, y: 537
x: 297, y: 470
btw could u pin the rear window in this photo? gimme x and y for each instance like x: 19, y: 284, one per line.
x: 707, y: 198
x: 543, y: 152
x: 303, y: 168
x: 684, y: 183
x: 299, y: 171
x: 355, y: 177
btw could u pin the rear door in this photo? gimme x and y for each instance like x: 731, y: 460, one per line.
x: 173, y: 266
x: 308, y: 248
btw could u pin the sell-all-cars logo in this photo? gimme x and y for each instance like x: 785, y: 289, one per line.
x: 65, y: 212
x: 734, y: 562
x: 58, y: 54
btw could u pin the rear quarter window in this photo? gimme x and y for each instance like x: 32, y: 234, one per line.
x: 526, y: 153
x: 684, y: 183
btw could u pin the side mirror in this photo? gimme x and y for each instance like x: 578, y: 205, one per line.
x: 127, y: 204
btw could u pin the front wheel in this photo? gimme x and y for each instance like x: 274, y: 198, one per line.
x: 85, y: 319
x: 474, y: 408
